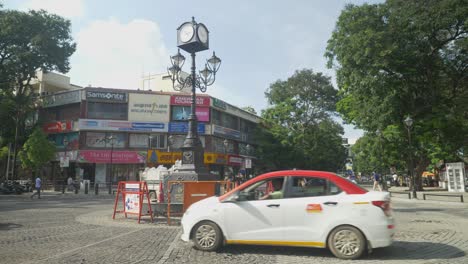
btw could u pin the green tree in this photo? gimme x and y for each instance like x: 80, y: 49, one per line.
x: 29, y: 42
x: 37, y: 151
x: 405, y: 58
x: 299, y: 131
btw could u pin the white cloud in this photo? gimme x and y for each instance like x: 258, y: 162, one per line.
x: 65, y: 8
x: 113, y: 54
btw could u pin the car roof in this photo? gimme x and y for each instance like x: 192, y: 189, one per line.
x: 343, y: 184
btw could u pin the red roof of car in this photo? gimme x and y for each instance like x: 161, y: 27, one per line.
x: 343, y: 184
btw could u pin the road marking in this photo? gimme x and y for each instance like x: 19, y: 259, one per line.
x: 168, y: 252
x: 83, y: 247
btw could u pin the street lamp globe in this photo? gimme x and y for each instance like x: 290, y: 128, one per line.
x: 408, y: 121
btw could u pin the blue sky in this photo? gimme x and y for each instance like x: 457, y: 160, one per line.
x: 259, y: 42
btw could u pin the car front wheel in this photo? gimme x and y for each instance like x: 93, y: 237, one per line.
x: 207, y: 236
x: 347, y: 242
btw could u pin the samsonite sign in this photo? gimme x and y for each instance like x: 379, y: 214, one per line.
x: 104, y: 96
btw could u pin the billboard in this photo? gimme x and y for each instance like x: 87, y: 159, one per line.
x: 61, y: 99
x: 182, y: 113
x: 57, y: 127
x: 148, y: 107
x: 182, y: 127
x: 118, y: 157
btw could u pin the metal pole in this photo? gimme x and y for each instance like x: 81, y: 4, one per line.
x: 411, y: 165
x: 111, y: 169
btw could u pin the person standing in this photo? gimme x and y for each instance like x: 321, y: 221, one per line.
x: 70, y: 183
x: 376, y: 181
x: 38, y: 188
x: 395, y: 179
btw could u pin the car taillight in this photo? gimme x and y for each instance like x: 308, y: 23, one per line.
x: 384, y: 205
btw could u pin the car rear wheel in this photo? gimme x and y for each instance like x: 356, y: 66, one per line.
x: 207, y: 236
x: 347, y: 242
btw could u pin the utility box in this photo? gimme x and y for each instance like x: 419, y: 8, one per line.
x: 455, y: 173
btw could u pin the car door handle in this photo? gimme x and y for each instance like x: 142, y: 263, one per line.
x: 330, y: 203
x: 273, y: 205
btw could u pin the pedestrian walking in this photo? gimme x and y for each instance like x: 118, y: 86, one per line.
x: 395, y: 179
x: 376, y: 181
x: 38, y: 188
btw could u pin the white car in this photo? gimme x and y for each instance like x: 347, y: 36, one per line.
x: 293, y: 208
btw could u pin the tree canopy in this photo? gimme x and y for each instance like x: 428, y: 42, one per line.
x: 405, y: 58
x: 37, y: 151
x: 299, y: 131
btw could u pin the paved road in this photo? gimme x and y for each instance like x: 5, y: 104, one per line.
x: 69, y: 230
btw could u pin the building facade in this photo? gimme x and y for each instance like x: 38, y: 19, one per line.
x: 108, y: 135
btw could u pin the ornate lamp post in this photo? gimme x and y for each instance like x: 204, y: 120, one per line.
x: 409, y: 124
x: 381, y: 170
x: 193, y: 37
x: 111, y: 139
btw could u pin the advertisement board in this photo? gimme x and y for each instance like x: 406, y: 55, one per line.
x: 61, y: 99
x: 187, y: 100
x: 182, y: 113
x: 57, y: 127
x: 111, y: 125
x: 58, y: 139
x: 148, y: 107
x: 218, y: 103
x: 235, y: 160
x: 118, y: 157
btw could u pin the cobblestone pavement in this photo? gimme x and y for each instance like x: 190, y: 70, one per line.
x: 67, y: 230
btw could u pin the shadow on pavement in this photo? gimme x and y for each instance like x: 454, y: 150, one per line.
x: 9, y: 226
x: 404, y: 250
x: 400, y: 250
x: 418, y: 209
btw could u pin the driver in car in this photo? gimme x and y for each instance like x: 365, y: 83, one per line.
x: 277, y: 193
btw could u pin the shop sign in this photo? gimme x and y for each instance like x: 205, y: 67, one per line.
x: 227, y: 132
x: 187, y: 100
x: 104, y: 156
x: 106, y: 96
x: 70, y: 155
x: 161, y: 157
x: 182, y: 127
x: 61, y: 99
x: 215, y: 158
x: 148, y: 107
x: 248, y: 163
x: 110, y: 125
x: 235, y: 160
x: 57, y: 127
x: 218, y: 103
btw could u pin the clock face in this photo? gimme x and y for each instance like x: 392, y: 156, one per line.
x: 186, y: 32
x: 202, y: 33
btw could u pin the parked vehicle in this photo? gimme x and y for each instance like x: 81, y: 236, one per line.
x: 308, y: 209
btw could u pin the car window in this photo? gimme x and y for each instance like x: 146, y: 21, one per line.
x: 311, y: 186
x: 263, y: 190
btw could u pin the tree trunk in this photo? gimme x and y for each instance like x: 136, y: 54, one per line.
x: 420, y: 166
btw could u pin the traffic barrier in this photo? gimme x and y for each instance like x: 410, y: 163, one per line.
x: 133, y: 194
x: 448, y: 195
x: 192, y: 191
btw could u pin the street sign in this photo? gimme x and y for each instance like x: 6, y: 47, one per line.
x: 64, y: 162
x: 248, y: 163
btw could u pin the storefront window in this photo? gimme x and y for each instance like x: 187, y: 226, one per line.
x: 98, y: 140
x: 98, y: 110
x: 178, y: 142
x: 158, y: 141
x: 218, y: 145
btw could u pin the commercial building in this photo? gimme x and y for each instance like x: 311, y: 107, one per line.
x: 108, y: 135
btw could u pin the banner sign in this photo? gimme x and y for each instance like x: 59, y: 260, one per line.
x: 182, y: 127
x: 187, y: 100
x: 57, y: 127
x: 148, y: 107
x: 218, y: 103
x: 104, y: 156
x: 106, y: 96
x: 61, y: 99
x: 70, y: 155
x: 227, y: 132
x: 110, y: 125
x: 161, y: 157
x: 248, y: 163
x: 71, y: 138
x: 215, y: 158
